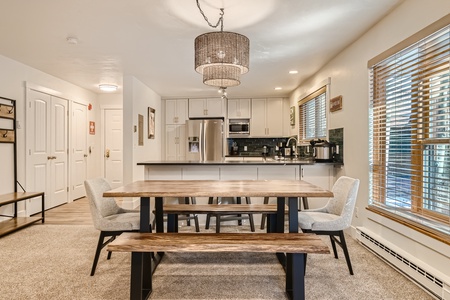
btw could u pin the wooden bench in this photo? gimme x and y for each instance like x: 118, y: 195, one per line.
x: 16, y: 223
x: 173, y: 210
x: 296, y: 245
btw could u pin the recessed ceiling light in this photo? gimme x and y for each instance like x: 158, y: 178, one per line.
x: 293, y: 72
x: 108, y: 87
x: 278, y: 88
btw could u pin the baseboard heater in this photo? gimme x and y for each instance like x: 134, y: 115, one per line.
x: 422, y: 277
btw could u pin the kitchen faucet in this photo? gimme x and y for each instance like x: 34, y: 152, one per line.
x: 296, y: 143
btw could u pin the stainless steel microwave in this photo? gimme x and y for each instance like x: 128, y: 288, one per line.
x: 239, y: 128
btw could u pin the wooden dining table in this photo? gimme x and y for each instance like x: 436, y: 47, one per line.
x: 287, y: 192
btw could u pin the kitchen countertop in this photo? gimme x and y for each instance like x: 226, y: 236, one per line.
x: 269, y: 161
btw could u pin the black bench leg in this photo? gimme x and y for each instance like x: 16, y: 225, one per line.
x: 141, y: 276
x: 295, y: 283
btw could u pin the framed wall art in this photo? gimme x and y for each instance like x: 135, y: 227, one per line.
x: 336, y: 103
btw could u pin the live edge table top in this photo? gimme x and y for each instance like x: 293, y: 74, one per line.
x: 219, y: 188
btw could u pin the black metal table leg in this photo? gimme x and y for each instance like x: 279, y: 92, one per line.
x: 293, y: 227
x: 280, y: 226
x: 172, y: 223
x: 145, y: 259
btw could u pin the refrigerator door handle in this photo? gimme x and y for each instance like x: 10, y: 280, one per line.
x: 202, y: 141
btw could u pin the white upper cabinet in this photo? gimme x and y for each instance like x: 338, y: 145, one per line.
x: 206, y: 108
x: 176, y: 111
x: 239, y: 108
x: 267, y: 117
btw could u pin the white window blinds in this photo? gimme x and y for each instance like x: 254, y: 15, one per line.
x: 312, y: 116
x: 410, y: 133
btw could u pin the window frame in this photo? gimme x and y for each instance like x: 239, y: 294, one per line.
x: 421, y: 135
x: 302, y: 128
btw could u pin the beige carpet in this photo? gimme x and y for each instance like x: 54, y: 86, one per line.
x: 54, y: 261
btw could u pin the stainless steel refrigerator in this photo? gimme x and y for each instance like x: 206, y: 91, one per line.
x: 204, y: 140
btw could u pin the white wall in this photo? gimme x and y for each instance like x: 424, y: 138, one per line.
x: 13, y: 76
x: 137, y: 98
x: 349, y: 77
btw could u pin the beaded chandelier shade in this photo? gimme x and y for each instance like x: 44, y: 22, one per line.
x: 221, y: 57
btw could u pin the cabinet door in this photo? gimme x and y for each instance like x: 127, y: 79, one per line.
x: 244, y: 108
x: 175, y: 142
x: 239, y: 109
x: 171, y: 111
x: 171, y: 142
x: 214, y: 108
x: 176, y: 111
x: 258, y: 120
x: 233, y: 109
x: 181, y: 155
x: 197, y: 108
x: 274, y: 117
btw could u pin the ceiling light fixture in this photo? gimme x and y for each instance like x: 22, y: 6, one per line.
x: 221, y: 57
x: 293, y: 72
x: 108, y: 87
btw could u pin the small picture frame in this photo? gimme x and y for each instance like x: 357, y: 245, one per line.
x: 292, y: 115
x: 336, y: 103
x: 151, y: 123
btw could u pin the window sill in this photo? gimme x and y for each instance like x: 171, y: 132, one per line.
x: 405, y: 219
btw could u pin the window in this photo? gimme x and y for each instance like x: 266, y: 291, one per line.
x: 312, y: 114
x: 410, y: 135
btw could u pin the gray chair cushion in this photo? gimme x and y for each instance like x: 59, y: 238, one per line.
x: 106, y: 214
x: 337, y: 214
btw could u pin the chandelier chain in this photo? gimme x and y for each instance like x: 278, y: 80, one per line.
x: 220, y: 21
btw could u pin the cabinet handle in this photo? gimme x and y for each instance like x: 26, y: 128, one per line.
x: 49, y: 157
x: 85, y: 155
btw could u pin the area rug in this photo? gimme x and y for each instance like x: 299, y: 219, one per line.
x: 54, y: 261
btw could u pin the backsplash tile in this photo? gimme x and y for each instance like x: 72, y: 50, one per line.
x: 336, y: 136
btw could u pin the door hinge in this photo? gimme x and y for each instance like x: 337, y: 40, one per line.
x: 67, y: 189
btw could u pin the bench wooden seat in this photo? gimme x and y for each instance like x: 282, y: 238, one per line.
x: 173, y: 210
x: 15, y: 222
x: 296, y: 245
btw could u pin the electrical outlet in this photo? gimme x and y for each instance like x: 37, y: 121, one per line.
x: 356, y: 212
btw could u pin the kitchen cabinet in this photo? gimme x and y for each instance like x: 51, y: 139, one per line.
x: 206, y: 108
x: 239, y: 108
x: 267, y: 117
x: 321, y: 175
x: 176, y: 111
x: 175, y: 142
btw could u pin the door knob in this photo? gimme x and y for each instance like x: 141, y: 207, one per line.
x: 107, y: 153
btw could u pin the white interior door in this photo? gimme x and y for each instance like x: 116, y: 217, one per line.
x: 113, y: 152
x: 46, y: 163
x: 79, y: 150
x: 59, y: 151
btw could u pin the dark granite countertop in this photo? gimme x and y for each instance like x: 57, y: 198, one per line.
x: 231, y: 161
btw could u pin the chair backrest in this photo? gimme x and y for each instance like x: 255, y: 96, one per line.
x: 100, y: 206
x: 343, y: 203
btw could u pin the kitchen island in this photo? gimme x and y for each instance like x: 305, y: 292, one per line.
x: 244, y: 168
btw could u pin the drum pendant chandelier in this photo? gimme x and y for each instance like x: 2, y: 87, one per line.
x: 221, y: 57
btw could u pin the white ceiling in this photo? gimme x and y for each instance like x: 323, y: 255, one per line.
x: 153, y: 40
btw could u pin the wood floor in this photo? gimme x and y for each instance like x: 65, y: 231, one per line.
x: 74, y: 213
